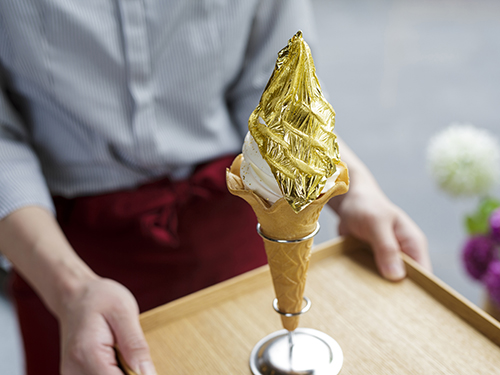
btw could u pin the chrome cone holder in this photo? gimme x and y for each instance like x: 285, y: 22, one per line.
x: 299, y: 352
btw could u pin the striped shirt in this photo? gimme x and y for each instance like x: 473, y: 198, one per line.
x: 101, y: 95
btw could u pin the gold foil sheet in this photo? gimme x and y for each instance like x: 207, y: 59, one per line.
x: 293, y: 126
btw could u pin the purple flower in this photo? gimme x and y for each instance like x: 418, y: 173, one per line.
x: 477, y: 254
x: 492, y: 281
x: 495, y: 225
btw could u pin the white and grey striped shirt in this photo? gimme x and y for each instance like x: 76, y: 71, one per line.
x: 100, y: 95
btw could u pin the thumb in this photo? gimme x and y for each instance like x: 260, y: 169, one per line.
x: 387, y: 251
x: 132, y: 343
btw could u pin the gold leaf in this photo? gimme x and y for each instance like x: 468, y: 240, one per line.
x: 293, y: 126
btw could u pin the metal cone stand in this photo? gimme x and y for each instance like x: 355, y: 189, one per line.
x: 300, y: 352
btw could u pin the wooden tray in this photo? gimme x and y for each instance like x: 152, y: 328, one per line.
x: 417, y: 326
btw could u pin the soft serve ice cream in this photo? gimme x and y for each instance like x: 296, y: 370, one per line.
x: 288, y: 170
x: 291, y: 144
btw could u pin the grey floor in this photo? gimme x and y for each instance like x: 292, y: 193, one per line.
x: 396, y: 72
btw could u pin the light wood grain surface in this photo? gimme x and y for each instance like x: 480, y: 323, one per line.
x: 417, y: 326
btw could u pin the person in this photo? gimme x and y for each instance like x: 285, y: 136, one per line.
x: 117, y: 121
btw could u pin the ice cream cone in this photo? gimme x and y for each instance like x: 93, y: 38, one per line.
x: 288, y: 262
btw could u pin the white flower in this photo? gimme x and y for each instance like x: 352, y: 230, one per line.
x: 464, y: 160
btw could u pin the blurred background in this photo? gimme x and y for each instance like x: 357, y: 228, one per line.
x: 396, y: 72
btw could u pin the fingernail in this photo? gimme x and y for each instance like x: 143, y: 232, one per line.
x: 147, y: 368
x: 395, y: 271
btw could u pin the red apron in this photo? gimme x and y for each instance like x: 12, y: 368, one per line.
x: 162, y: 241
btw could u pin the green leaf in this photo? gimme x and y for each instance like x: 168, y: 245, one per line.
x: 477, y: 223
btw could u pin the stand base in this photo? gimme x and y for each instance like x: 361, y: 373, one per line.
x: 307, y: 351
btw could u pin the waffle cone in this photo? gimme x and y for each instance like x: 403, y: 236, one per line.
x: 288, y: 262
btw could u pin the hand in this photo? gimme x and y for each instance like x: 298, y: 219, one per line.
x: 366, y: 213
x: 95, y: 314
x: 97, y: 317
